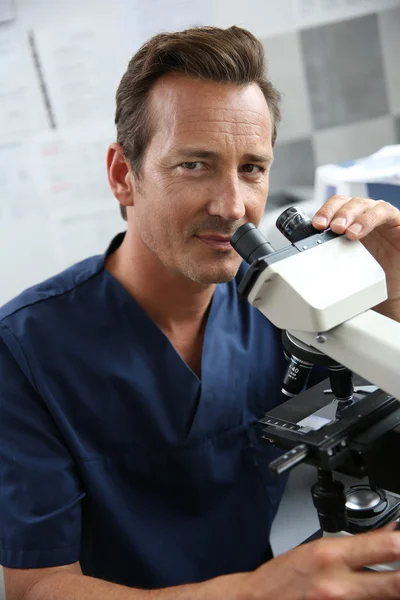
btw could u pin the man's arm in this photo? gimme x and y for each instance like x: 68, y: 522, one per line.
x: 323, y: 570
x: 68, y: 583
x: 19, y: 582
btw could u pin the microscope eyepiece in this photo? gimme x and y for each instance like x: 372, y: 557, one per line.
x: 295, y: 225
x: 250, y: 243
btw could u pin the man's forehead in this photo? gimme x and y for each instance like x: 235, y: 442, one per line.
x: 188, y: 100
x: 224, y: 113
x: 215, y: 124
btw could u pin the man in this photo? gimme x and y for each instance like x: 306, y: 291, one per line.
x: 131, y: 465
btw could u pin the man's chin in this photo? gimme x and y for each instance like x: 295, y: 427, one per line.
x: 212, y: 276
x: 214, y: 280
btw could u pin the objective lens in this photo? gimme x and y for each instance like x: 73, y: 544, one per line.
x: 341, y: 379
x: 295, y: 225
x: 296, y: 376
x: 302, y: 358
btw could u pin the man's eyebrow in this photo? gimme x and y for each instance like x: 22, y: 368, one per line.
x: 258, y: 158
x: 202, y: 153
x: 195, y: 153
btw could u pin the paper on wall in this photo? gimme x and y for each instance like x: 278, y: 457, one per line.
x: 86, y: 234
x: 82, y: 67
x: 19, y: 197
x: 22, y: 110
x: 27, y: 256
x: 70, y: 169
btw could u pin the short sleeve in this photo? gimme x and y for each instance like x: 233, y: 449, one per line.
x: 40, y: 491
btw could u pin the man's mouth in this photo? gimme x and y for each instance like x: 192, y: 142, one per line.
x: 218, y: 242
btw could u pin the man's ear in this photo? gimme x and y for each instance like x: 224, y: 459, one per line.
x: 119, y: 175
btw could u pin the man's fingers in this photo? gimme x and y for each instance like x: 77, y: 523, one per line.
x: 365, y: 549
x: 343, y: 211
x: 356, y: 217
x: 375, y: 585
x: 324, y: 216
x: 380, y: 213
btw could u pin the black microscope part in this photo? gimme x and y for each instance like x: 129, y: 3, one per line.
x: 295, y: 225
x: 250, y: 243
x: 296, y: 376
x: 301, y: 359
x: 329, y: 499
x: 341, y: 380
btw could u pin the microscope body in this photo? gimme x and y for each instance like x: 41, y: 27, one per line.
x: 320, y: 289
x: 326, y: 280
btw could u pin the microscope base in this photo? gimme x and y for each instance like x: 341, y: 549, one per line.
x: 390, y: 513
x: 362, y: 525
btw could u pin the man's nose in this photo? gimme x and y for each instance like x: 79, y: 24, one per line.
x: 228, y: 201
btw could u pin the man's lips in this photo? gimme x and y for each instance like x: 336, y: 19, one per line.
x: 216, y: 241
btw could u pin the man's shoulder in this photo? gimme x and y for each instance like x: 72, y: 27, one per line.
x: 56, y: 287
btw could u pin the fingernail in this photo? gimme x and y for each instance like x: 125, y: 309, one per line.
x: 356, y: 228
x: 322, y: 221
x: 339, y: 222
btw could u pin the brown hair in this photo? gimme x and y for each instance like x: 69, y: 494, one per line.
x: 231, y: 55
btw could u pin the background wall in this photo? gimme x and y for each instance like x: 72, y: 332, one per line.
x: 341, y: 92
x: 60, y: 62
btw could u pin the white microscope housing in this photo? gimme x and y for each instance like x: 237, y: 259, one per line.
x: 322, y: 293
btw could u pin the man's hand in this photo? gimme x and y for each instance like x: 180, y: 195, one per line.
x: 377, y: 225
x: 330, y: 569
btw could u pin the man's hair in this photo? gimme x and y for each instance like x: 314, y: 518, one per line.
x: 231, y: 55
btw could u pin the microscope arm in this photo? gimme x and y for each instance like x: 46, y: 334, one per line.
x: 368, y: 344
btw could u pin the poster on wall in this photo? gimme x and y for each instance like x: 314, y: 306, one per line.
x: 22, y: 110
x: 86, y: 234
x: 19, y: 196
x: 70, y: 169
x: 81, y: 72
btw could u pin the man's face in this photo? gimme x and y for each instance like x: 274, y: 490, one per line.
x: 205, y: 172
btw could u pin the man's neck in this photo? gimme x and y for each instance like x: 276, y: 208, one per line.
x: 171, y: 300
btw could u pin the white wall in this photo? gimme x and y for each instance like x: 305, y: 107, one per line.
x: 55, y: 205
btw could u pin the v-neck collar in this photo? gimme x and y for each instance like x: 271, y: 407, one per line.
x: 130, y: 304
x: 128, y: 298
x: 188, y: 404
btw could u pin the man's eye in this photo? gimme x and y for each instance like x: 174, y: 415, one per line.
x: 192, y: 166
x: 251, y: 169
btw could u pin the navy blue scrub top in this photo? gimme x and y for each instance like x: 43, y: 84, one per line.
x: 113, y: 452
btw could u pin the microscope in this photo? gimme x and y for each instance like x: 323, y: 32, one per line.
x: 319, y: 290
